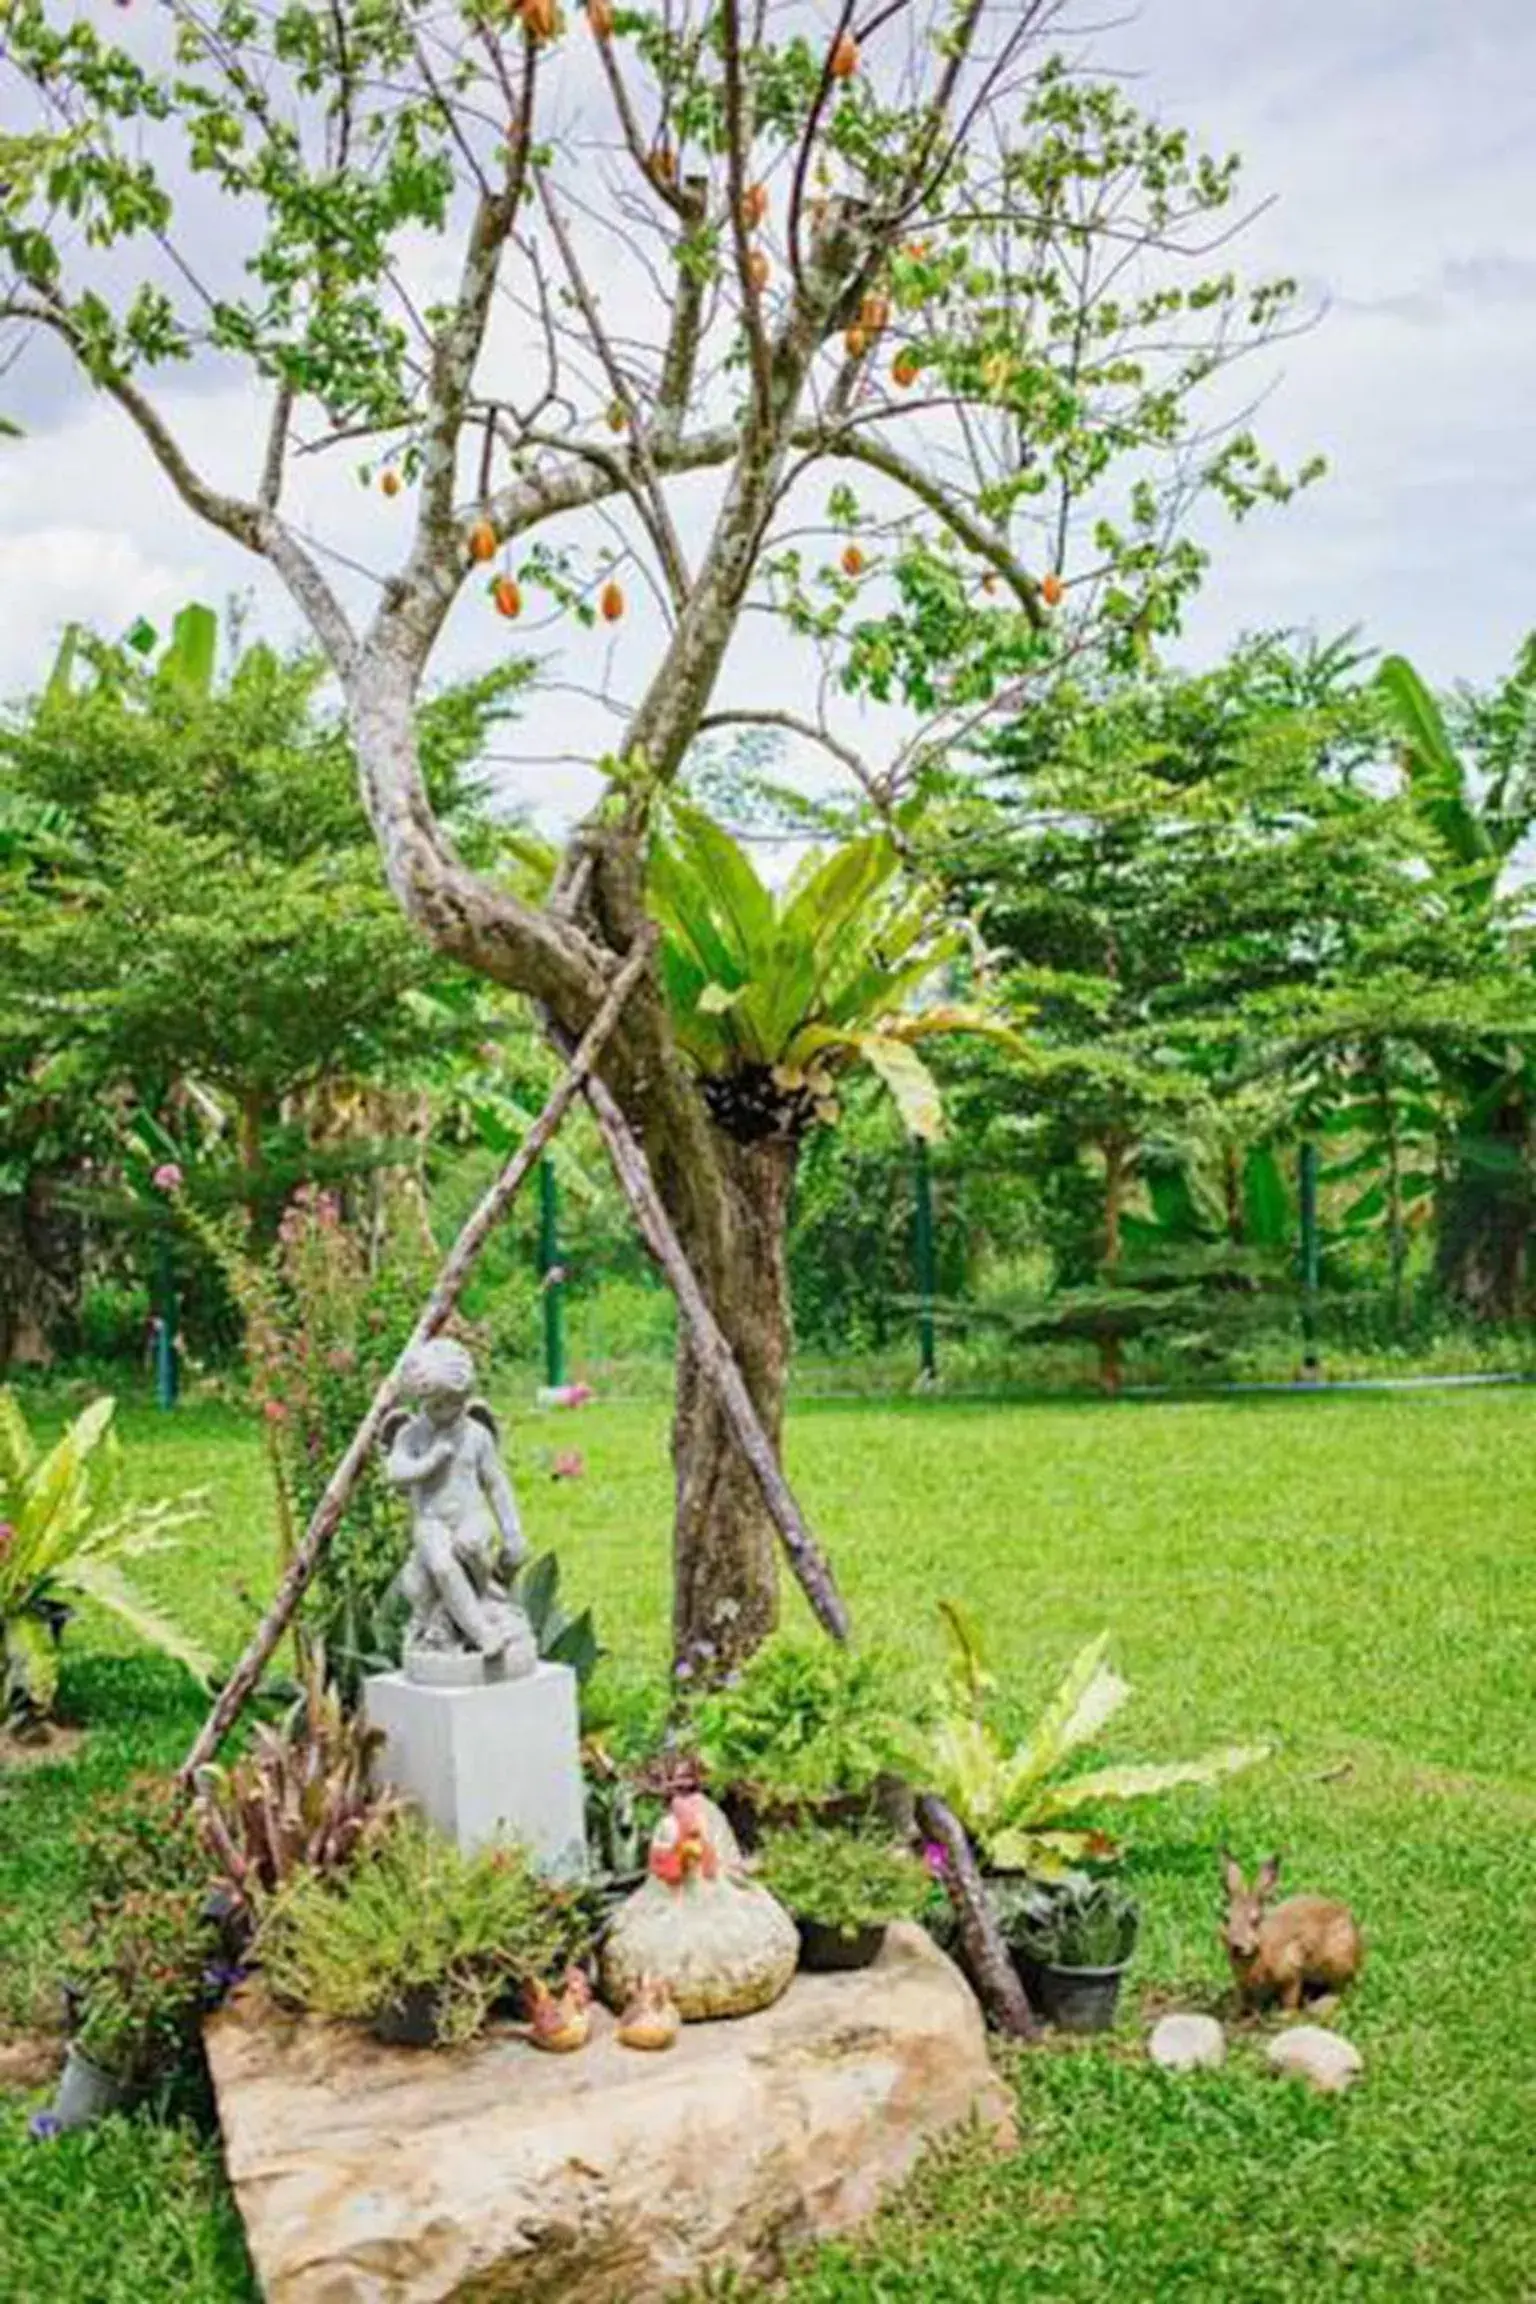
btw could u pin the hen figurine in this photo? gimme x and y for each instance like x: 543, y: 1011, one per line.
x: 560, y: 2021
x: 699, y: 1928
x: 651, y: 2019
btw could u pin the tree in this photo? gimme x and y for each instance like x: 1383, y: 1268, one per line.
x: 1166, y: 865
x: 679, y: 290
x: 199, y: 932
x: 1470, y: 778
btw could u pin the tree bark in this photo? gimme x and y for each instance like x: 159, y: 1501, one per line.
x: 725, y: 1581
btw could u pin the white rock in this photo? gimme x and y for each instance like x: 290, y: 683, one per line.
x: 501, y: 1757
x: 367, y: 2173
x: 1187, y: 2043
x: 1324, y: 2059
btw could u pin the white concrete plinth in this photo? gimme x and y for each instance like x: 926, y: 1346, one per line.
x: 502, y: 1758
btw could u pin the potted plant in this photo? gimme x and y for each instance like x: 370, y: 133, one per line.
x: 806, y: 1731
x: 415, y: 1939
x: 138, y: 1983
x: 843, y: 1889
x: 1072, y: 1940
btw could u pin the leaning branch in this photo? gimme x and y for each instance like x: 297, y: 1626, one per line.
x: 445, y: 1294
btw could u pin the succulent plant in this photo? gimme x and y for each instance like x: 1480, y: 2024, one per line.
x: 301, y: 1799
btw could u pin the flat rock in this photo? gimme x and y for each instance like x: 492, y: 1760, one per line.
x: 1187, y: 2043
x: 1325, y: 2060
x: 373, y: 2175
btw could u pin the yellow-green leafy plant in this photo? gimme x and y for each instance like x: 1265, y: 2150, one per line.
x: 774, y: 996
x: 1016, y: 1799
x: 64, y: 1534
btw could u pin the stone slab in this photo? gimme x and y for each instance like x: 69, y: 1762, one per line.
x: 372, y: 2175
x: 504, y: 1757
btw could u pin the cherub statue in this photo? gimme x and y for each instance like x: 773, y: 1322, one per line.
x: 465, y: 1534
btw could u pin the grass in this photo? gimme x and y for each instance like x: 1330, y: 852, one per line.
x: 1352, y: 1576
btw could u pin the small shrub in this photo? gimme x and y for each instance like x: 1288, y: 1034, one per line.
x: 845, y: 1881
x: 139, y: 1978
x: 806, y: 1721
x: 415, y: 1915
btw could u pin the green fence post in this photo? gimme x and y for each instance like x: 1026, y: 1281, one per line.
x: 1309, y: 1262
x: 165, y: 1325
x: 927, y: 1276
x: 551, y: 1277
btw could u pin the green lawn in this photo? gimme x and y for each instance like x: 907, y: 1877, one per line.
x: 1354, y: 1577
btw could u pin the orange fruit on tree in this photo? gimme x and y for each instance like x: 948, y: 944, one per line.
x: 507, y: 596
x: 482, y: 541
x: 758, y: 269
x: 754, y: 206
x: 854, y: 343
x: 845, y: 56
x: 390, y: 483
x: 874, y: 312
x: 540, y: 19
x: 989, y: 581
x: 1052, y: 590
x: 600, y: 17
x: 906, y: 369
x: 618, y: 416
x: 610, y: 602
x: 853, y: 560
x: 663, y: 163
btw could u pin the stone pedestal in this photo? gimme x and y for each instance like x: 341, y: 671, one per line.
x: 503, y: 1757
x: 373, y: 2175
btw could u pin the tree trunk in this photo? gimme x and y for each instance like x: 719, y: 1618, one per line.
x: 1487, y: 1212
x: 1111, y: 1342
x: 725, y: 1563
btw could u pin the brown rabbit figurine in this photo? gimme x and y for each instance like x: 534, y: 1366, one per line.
x: 1307, y: 1944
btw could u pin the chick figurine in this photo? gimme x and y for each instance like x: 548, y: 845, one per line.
x: 651, y: 2019
x: 699, y: 1926
x: 560, y: 2021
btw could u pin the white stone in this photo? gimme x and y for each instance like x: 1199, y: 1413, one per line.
x: 1325, y: 2060
x: 501, y: 1758
x: 373, y: 2175
x: 1188, y: 2043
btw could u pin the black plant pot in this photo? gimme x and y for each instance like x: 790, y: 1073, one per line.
x: 825, y: 1949
x: 411, y: 2021
x: 1074, y: 1999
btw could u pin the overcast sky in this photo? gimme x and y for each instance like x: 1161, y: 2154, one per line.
x: 1397, y: 139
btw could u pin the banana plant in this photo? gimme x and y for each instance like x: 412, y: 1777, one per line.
x: 63, y: 1537
x: 801, y: 985
x: 1017, y: 1801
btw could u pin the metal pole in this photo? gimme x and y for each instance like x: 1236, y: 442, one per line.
x: 1309, y: 1263
x: 927, y: 1277
x: 165, y: 1325
x: 551, y: 1277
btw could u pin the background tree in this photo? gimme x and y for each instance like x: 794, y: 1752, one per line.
x: 202, y: 936
x: 699, y: 272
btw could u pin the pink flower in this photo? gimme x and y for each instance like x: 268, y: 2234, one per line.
x: 274, y: 1411
x: 569, y: 1464
x: 936, y: 1857
x: 569, y: 1395
x: 167, y: 1177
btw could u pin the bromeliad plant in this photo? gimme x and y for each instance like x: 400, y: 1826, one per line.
x: 774, y: 997
x: 1018, y: 1801
x: 63, y: 1536
x: 301, y: 1801
x: 1074, y: 1922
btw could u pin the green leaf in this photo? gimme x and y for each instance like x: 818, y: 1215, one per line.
x: 909, y: 1080
x: 105, y: 1583
x: 1142, y: 1782
x: 31, y: 1663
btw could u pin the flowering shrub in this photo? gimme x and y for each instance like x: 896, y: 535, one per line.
x: 326, y: 1316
